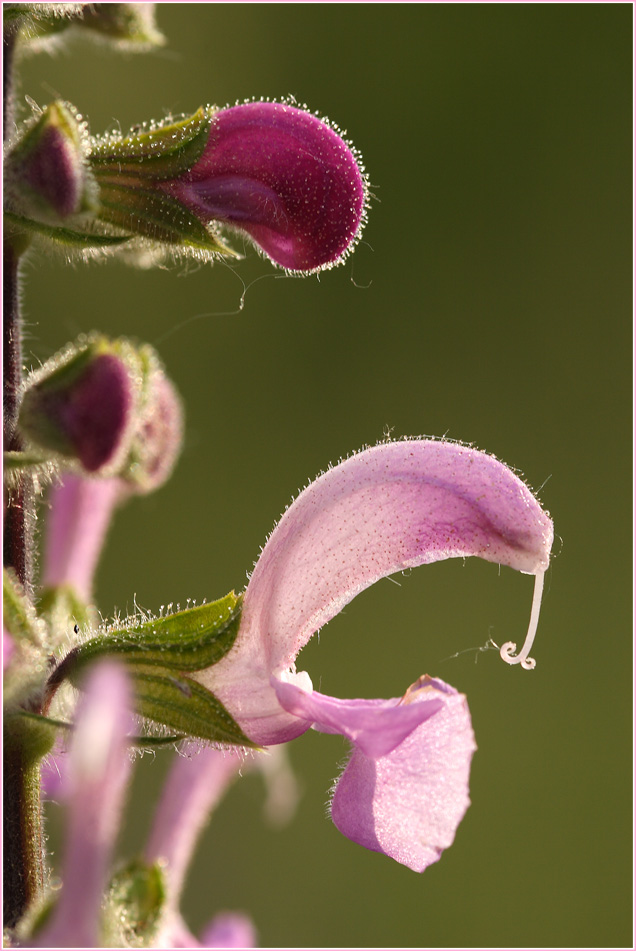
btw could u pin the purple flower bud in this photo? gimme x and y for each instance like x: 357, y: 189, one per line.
x: 275, y: 173
x: 109, y: 406
x: 284, y: 177
x: 157, y: 441
x: 46, y: 173
x: 82, y: 405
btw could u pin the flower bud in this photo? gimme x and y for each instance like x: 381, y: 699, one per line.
x: 275, y: 173
x: 108, y: 406
x: 130, y: 25
x: 82, y: 404
x: 46, y: 174
x: 158, y: 436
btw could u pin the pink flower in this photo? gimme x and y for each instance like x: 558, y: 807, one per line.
x: 194, y: 787
x: 282, y: 176
x: 93, y: 787
x: 395, y: 506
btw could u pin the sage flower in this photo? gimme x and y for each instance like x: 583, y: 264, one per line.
x: 392, y: 507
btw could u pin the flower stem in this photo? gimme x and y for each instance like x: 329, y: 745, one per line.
x: 19, y: 527
x: 23, y: 864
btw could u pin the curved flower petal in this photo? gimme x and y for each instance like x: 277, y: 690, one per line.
x: 285, y: 178
x: 409, y: 803
x: 391, y: 507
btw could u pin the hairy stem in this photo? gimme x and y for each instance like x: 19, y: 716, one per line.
x: 23, y: 864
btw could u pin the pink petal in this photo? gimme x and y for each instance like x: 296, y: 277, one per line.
x: 409, y: 803
x: 391, y: 507
x: 79, y: 519
x: 375, y: 726
x: 94, y: 785
x: 230, y: 929
x: 195, y: 785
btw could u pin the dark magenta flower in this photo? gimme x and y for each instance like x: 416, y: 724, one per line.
x: 271, y: 171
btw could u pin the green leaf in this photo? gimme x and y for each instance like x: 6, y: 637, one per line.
x: 64, y: 236
x: 134, y: 904
x: 188, y: 640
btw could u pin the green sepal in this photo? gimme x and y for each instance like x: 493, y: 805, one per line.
x: 157, y: 655
x: 184, y: 705
x: 186, y: 641
x: 149, y: 212
x: 66, y: 237
x: 37, y: 20
x: 135, y: 902
x: 165, y: 151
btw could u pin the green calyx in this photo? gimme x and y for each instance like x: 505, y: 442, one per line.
x: 158, y: 655
x: 186, y: 641
x: 134, y: 905
x: 159, y: 152
x: 129, y: 167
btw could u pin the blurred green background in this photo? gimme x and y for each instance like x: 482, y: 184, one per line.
x: 490, y: 300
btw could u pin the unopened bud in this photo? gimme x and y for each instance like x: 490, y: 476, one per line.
x: 130, y: 25
x: 109, y: 406
x: 46, y: 173
x: 275, y: 173
x: 158, y: 436
x: 82, y: 404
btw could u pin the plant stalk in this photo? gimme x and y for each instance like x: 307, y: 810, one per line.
x: 23, y: 862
